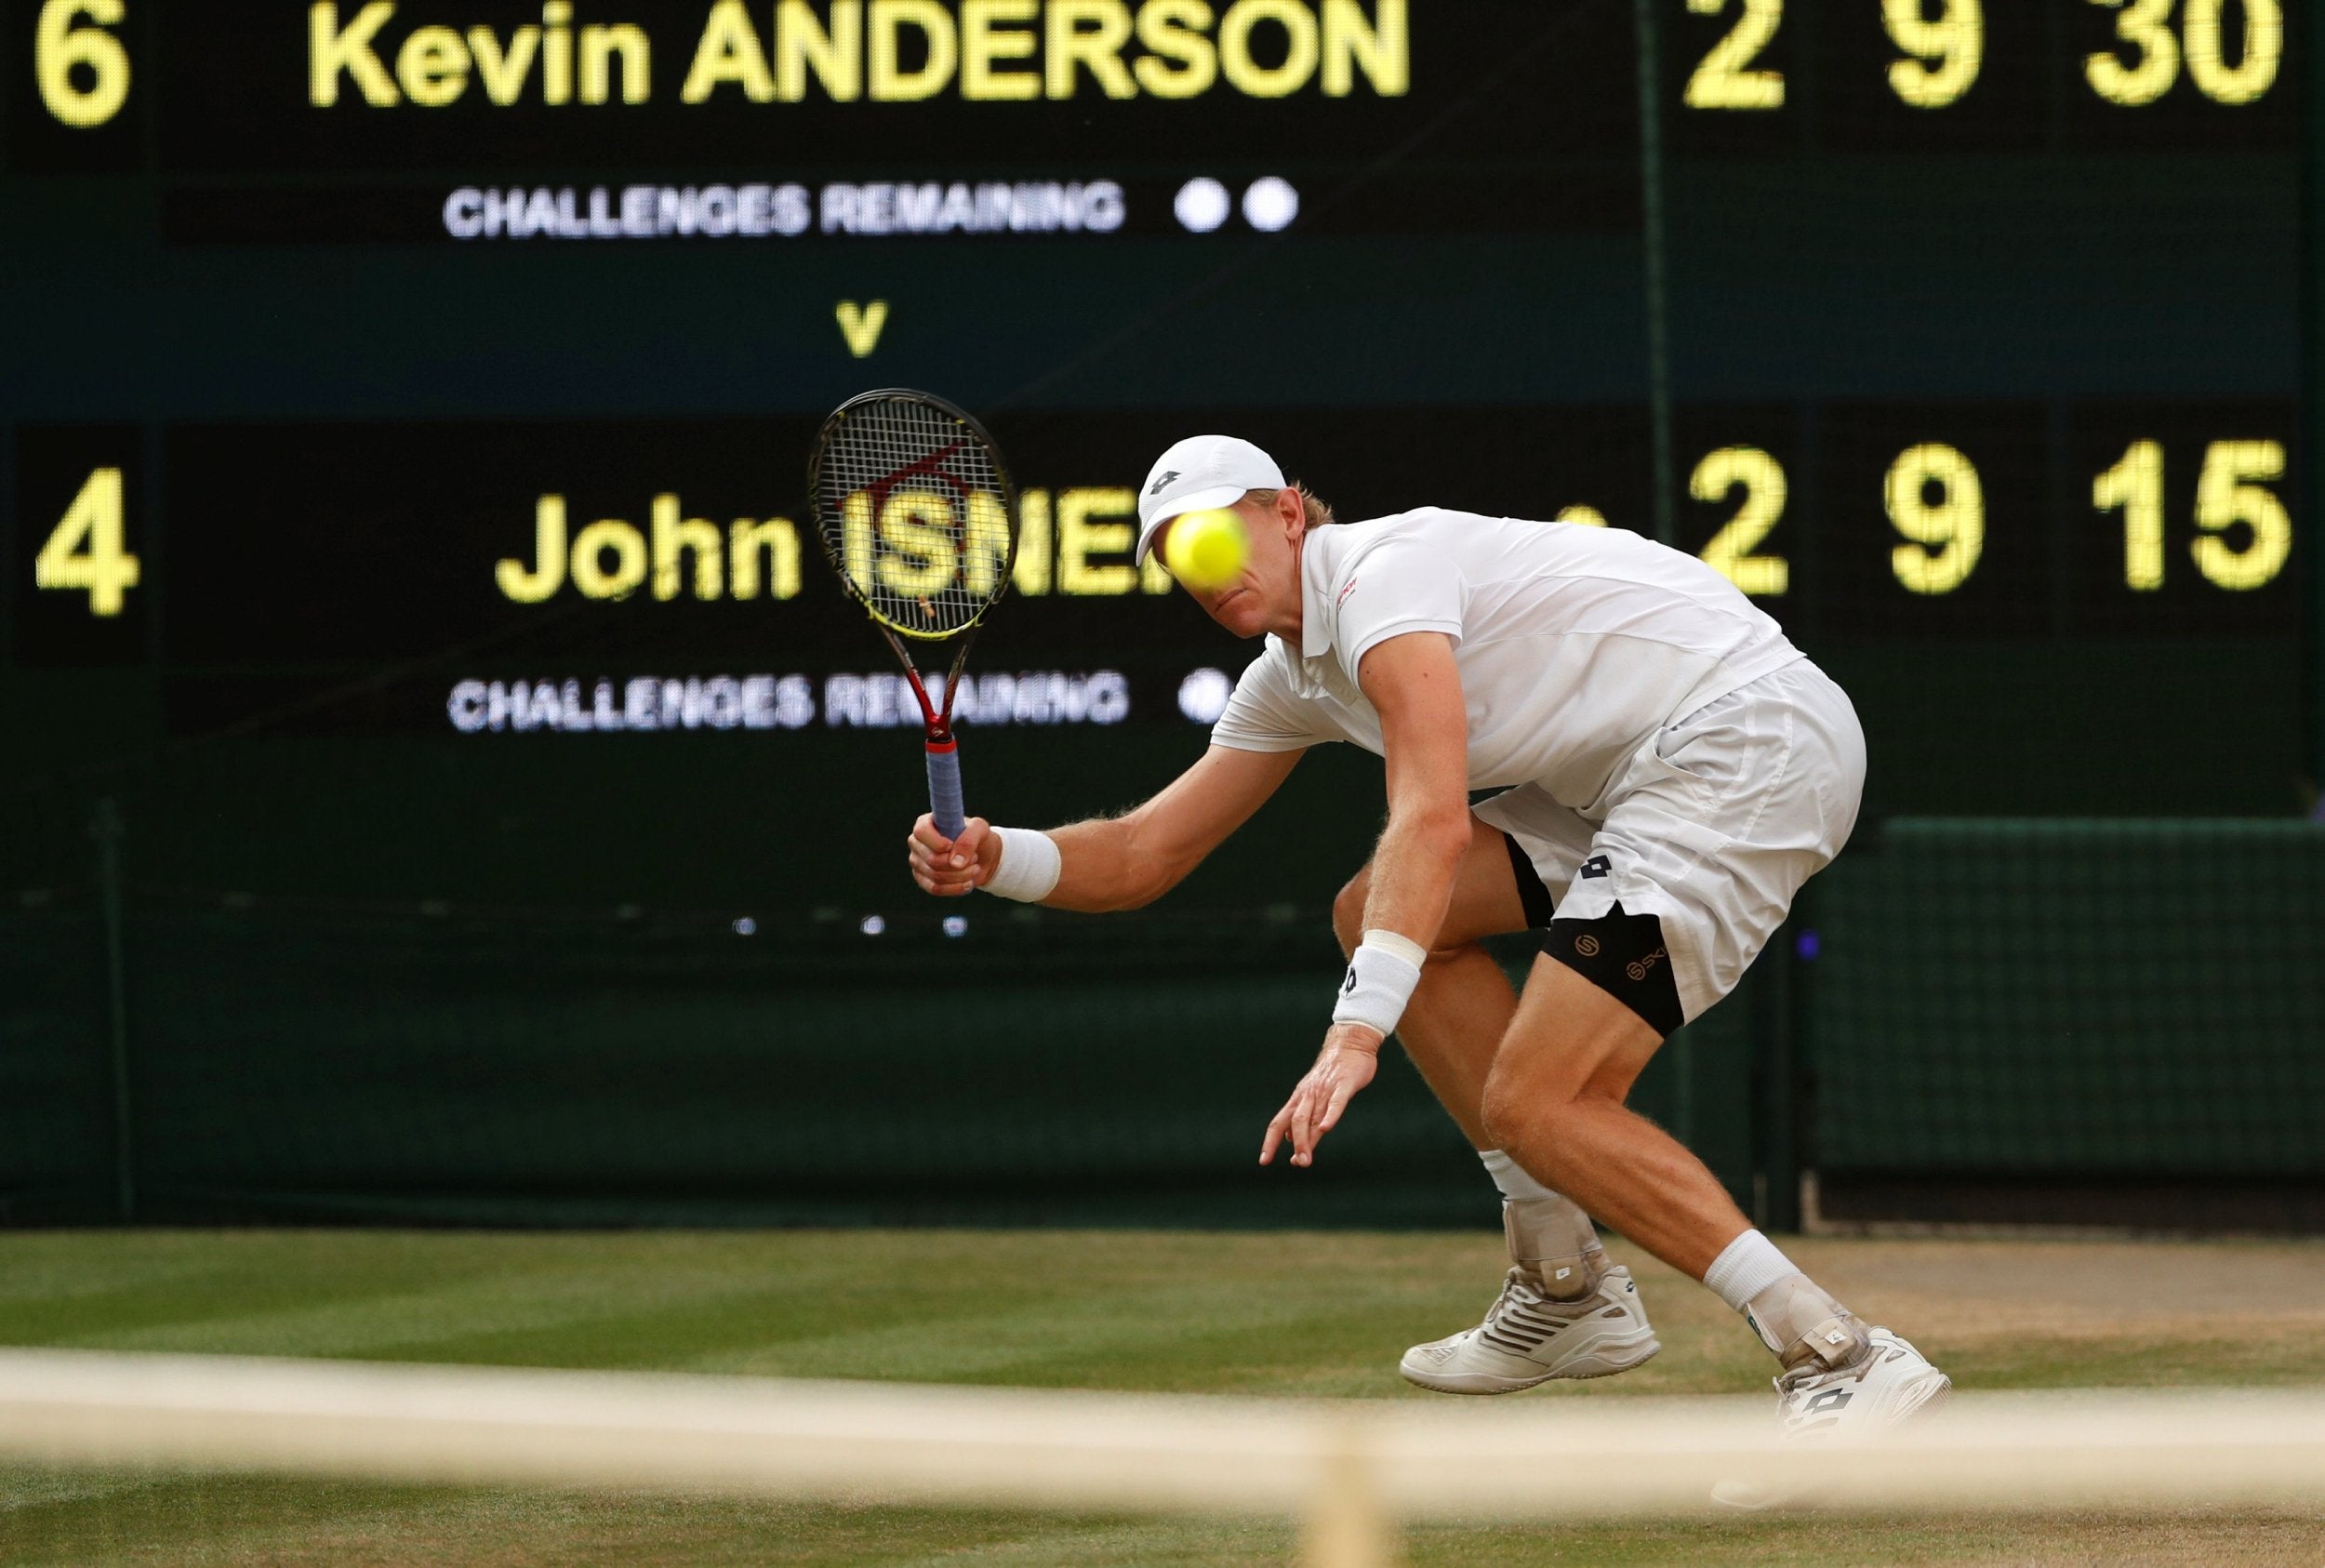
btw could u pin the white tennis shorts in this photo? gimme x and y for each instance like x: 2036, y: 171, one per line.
x: 1712, y: 825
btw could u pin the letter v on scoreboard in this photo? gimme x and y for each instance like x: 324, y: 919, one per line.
x: 918, y: 516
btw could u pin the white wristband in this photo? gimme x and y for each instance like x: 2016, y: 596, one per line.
x: 1382, y: 974
x: 1029, y: 865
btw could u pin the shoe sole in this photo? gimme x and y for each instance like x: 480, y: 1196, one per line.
x: 1604, y: 1358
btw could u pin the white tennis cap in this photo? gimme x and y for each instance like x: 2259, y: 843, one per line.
x: 1201, y: 473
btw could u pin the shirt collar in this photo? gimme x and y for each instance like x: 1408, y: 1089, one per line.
x: 1308, y: 663
x: 1315, y: 595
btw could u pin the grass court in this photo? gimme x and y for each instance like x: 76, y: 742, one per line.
x: 1269, y: 1313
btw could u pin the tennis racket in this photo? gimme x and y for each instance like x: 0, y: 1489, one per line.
x: 918, y: 516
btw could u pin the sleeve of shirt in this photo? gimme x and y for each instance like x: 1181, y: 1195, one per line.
x: 1403, y: 586
x: 1263, y: 715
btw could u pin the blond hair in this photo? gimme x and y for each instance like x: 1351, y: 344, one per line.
x: 1318, y: 509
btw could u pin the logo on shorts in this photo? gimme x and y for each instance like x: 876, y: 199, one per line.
x: 1156, y: 488
x: 1597, y: 866
x: 1586, y: 945
x: 1637, y: 969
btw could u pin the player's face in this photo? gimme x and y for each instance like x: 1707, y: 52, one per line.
x: 1266, y: 597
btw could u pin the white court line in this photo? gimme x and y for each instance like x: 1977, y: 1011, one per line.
x: 1541, y: 1458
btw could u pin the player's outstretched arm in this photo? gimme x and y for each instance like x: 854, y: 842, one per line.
x: 1413, y: 682
x: 1118, y: 862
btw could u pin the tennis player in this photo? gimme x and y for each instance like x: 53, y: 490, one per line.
x: 1671, y: 769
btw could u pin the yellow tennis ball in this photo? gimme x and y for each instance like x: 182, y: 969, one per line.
x: 1206, y: 549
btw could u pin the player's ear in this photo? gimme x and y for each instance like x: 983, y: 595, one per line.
x: 1292, y: 508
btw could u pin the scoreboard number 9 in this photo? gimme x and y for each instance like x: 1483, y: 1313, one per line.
x: 1945, y: 535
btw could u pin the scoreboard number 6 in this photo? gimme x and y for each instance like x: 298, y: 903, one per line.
x: 84, y: 553
x: 83, y: 70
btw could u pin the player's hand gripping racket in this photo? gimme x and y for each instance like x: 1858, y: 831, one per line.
x: 918, y: 518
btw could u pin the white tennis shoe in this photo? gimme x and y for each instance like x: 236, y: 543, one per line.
x: 1527, y: 1339
x: 1889, y: 1384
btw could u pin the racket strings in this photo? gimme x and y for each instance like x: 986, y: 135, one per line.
x: 914, y: 512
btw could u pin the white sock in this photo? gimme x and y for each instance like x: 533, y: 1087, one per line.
x: 1748, y: 1265
x: 1510, y: 1176
x: 1547, y: 1232
x: 1793, y: 1316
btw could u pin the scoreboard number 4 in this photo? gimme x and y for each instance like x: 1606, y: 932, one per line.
x: 84, y: 552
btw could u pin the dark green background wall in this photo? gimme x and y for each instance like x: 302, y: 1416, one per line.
x: 2059, y: 1007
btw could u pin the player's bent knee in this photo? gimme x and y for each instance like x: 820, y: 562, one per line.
x: 1520, y: 1117
x: 1517, y: 1108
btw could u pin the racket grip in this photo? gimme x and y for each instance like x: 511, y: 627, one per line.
x: 944, y: 787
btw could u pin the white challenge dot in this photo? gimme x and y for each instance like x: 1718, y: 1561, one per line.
x: 872, y: 926
x: 1271, y: 205
x: 956, y: 926
x: 1202, y: 695
x: 1202, y: 205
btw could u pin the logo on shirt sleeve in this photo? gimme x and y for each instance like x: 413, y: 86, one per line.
x: 1345, y: 588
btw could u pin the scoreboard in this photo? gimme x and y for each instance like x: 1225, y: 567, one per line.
x: 440, y: 373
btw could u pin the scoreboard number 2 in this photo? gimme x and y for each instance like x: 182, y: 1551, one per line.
x: 84, y: 553
x: 1731, y: 551
x: 83, y: 69
x: 1726, y: 79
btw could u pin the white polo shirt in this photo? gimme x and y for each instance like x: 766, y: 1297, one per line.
x: 1575, y: 644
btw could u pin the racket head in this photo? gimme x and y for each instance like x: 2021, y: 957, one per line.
x: 916, y: 510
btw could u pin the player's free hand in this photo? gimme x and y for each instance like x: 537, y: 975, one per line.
x: 1350, y: 1056
x: 951, y: 868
